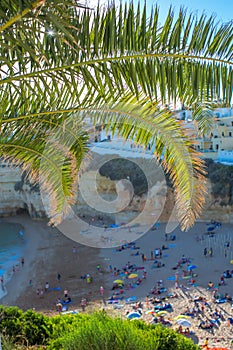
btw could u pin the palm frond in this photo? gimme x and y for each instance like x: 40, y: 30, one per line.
x: 51, y: 159
x: 57, y: 59
x: 142, y: 121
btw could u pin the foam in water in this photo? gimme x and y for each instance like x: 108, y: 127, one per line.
x: 11, y: 247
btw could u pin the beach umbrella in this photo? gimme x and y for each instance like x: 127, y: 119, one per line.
x: 118, y: 281
x: 161, y: 313
x: 231, y: 262
x: 183, y: 322
x: 133, y: 275
x: 211, y: 228
x: 191, y: 267
x: 181, y: 317
x: 132, y: 315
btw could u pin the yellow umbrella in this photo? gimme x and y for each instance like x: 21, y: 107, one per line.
x: 118, y: 281
x: 161, y: 313
x: 133, y: 275
x: 231, y: 261
x: 180, y: 316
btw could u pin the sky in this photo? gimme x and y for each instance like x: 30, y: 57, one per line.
x: 223, y: 9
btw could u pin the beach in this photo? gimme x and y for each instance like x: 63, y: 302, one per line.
x: 50, y: 257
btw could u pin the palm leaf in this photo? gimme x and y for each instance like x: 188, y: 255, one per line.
x: 57, y: 59
x: 142, y: 121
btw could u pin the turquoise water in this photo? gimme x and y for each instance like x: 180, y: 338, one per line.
x: 11, y: 247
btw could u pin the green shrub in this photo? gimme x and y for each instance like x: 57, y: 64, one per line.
x: 10, y: 323
x: 24, y: 327
x: 100, y: 332
x: 82, y: 332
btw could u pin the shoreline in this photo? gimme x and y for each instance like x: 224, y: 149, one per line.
x: 49, y: 253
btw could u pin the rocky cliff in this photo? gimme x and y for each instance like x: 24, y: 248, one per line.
x: 17, y: 194
x: 121, y: 200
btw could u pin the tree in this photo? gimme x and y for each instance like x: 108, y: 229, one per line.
x: 61, y: 62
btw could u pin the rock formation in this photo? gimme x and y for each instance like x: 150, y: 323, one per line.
x: 108, y: 195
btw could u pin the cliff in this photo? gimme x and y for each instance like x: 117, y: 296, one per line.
x: 17, y: 194
x: 121, y: 200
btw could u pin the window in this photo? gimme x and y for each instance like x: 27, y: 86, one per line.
x: 230, y: 134
x: 222, y: 133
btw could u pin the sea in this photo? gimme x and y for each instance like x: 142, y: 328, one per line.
x: 12, y: 243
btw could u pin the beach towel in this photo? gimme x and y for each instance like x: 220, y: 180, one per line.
x: 162, y: 290
x: 119, y: 306
x: 70, y: 312
x: 131, y: 299
x: 113, y: 301
x: 171, y: 278
x: 163, y: 307
x: 55, y: 288
x: 221, y: 301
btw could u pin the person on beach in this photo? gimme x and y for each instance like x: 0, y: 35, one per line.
x: 102, y: 291
x: 46, y: 286
x: 88, y: 278
x: 225, y: 253
x: 58, y: 277
x: 2, y: 282
x: 211, y: 252
x: 206, y: 343
x: 22, y: 262
x: 205, y: 252
x: 59, y: 306
x: 83, y: 303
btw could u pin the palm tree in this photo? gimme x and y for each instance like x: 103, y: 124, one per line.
x: 62, y: 62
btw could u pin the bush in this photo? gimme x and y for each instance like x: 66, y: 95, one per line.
x: 24, y: 327
x: 100, y: 332
x: 82, y: 332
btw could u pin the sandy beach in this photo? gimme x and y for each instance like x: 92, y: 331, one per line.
x: 48, y: 253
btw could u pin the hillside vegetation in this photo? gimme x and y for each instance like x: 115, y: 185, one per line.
x: 31, y: 330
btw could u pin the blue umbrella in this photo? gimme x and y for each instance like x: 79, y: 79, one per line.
x: 132, y: 315
x: 211, y: 228
x: 191, y: 267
